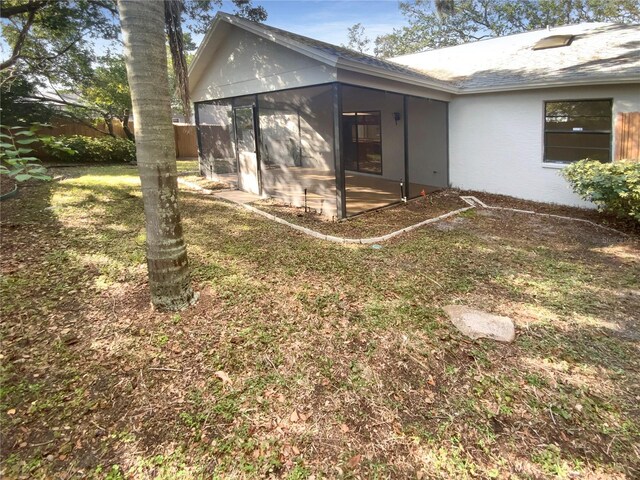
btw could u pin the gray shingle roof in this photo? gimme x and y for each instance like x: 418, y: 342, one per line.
x: 599, y: 52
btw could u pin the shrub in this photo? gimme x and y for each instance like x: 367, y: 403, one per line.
x: 94, y: 149
x: 614, y: 187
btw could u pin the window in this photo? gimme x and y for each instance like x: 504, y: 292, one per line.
x: 575, y: 130
x: 362, y: 141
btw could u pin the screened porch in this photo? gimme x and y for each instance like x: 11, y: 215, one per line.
x: 336, y: 149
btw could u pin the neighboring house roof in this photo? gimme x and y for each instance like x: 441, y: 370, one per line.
x: 332, y: 55
x: 599, y: 53
x: 58, y: 99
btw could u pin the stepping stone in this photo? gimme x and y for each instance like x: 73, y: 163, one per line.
x: 478, y: 324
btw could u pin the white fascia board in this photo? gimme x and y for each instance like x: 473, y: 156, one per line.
x: 555, y: 84
x: 203, y: 45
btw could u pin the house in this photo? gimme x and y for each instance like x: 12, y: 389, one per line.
x: 315, y: 124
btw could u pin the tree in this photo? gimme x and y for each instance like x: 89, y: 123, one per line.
x: 358, y: 41
x: 445, y: 23
x: 142, y: 24
x: 53, y: 39
x: 52, y: 44
x: 108, y: 92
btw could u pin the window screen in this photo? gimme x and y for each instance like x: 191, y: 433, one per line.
x: 362, y: 141
x: 575, y: 130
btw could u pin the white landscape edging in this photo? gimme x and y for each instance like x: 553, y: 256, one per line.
x: 322, y: 236
x: 472, y: 201
x: 362, y: 241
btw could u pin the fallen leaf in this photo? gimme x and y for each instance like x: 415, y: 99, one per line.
x: 344, y: 428
x: 223, y: 377
x: 294, y: 416
x: 354, y: 461
x: 11, y: 412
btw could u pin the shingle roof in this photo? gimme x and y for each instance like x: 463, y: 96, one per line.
x: 599, y: 52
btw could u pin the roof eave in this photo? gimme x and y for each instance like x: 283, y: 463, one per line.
x: 396, y: 76
x: 203, y: 44
x: 555, y: 84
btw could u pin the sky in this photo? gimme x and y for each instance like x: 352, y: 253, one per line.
x: 328, y: 20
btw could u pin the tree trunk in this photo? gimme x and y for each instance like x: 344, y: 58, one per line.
x: 109, y: 124
x: 125, y: 126
x: 142, y: 24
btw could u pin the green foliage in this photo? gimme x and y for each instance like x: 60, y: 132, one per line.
x: 56, y: 39
x: 16, y: 155
x: 472, y: 20
x: 358, y: 41
x: 93, y: 149
x: 53, y: 43
x: 614, y: 187
x: 109, y: 88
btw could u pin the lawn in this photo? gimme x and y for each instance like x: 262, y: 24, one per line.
x: 307, y: 359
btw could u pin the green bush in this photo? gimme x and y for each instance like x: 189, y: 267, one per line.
x: 94, y: 149
x: 614, y: 187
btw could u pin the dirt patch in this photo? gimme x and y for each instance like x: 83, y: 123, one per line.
x: 6, y: 184
x: 370, y: 224
x: 601, y: 218
x: 202, y: 182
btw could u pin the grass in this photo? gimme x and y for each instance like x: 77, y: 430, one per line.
x: 340, y: 361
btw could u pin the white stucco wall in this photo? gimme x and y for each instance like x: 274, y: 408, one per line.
x: 496, y: 141
x: 244, y: 63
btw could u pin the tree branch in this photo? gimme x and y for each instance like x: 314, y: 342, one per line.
x: 17, y: 48
x: 106, y: 4
x: 31, y: 6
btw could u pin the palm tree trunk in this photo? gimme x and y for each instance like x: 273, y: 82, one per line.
x: 142, y: 23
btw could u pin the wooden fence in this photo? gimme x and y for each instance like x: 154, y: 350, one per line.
x: 628, y: 136
x: 184, y: 134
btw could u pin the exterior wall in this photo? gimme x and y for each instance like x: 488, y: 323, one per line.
x: 497, y: 140
x: 245, y: 63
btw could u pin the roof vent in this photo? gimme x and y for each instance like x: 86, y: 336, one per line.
x: 553, y: 41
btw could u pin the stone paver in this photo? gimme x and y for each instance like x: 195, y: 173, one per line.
x: 478, y: 324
